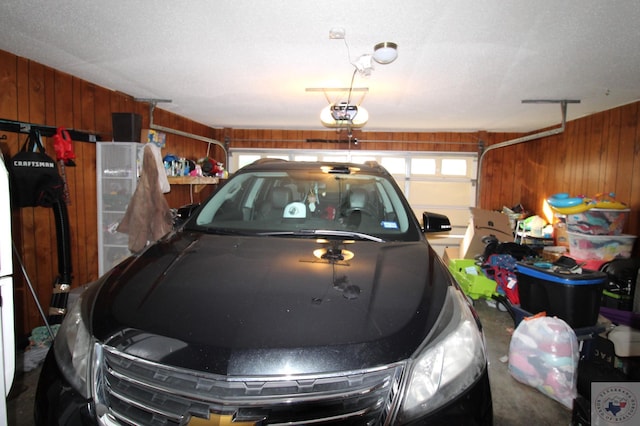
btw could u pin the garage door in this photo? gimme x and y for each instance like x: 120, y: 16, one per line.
x: 438, y: 182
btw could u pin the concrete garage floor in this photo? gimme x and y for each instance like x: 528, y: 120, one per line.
x: 513, y: 403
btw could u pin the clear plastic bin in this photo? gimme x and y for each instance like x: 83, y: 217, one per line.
x: 600, y: 247
x: 598, y: 221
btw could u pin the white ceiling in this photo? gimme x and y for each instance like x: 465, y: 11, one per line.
x: 463, y: 65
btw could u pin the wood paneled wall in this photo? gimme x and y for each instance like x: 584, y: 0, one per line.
x: 338, y: 139
x: 600, y: 153
x: 33, y: 93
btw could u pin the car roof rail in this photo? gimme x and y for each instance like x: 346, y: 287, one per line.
x: 374, y: 164
x: 269, y: 160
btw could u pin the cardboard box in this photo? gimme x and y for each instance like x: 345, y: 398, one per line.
x: 450, y: 253
x: 482, y: 224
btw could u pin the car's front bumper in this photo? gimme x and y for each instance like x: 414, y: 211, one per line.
x: 58, y: 404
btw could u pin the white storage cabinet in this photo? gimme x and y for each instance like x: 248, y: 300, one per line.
x: 117, y: 169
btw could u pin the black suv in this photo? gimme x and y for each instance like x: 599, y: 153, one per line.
x: 299, y: 293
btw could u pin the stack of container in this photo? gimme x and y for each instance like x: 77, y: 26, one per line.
x: 574, y: 294
x: 596, y: 234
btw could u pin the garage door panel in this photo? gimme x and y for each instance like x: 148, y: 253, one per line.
x: 440, y: 193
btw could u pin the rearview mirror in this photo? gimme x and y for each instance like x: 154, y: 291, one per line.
x: 435, y: 222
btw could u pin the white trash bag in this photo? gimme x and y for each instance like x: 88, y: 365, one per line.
x: 544, y: 354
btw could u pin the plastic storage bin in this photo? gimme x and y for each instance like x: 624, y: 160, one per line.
x: 626, y: 341
x: 471, y: 279
x: 575, y: 298
x: 600, y: 247
x: 598, y: 221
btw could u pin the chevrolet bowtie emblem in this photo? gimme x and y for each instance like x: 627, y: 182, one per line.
x: 220, y: 420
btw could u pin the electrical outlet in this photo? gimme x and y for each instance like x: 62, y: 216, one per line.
x: 336, y: 33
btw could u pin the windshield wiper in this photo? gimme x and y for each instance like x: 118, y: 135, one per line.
x: 324, y: 233
x: 220, y: 231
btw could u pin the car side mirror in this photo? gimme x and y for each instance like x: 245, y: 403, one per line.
x: 435, y: 222
x: 183, y: 213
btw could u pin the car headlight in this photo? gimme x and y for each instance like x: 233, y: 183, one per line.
x: 450, y: 363
x: 72, y: 348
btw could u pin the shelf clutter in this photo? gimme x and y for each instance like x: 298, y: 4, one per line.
x: 199, y: 182
x: 183, y: 171
x: 592, y: 240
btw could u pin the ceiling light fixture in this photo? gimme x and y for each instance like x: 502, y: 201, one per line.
x: 385, y: 52
x: 347, y: 114
x: 364, y: 65
x: 344, y: 115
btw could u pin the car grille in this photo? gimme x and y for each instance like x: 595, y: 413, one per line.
x: 133, y: 391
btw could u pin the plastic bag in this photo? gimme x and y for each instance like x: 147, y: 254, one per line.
x: 544, y: 354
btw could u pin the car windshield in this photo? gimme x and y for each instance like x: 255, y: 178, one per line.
x: 310, y: 201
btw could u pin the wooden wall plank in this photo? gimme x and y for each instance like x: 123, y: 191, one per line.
x: 79, y: 204
x: 628, y: 130
x: 27, y: 215
x: 600, y: 131
x: 499, y: 169
x: 612, y: 147
x: 578, y: 166
x: 592, y: 158
x: 88, y: 260
x: 558, y: 179
x: 634, y: 217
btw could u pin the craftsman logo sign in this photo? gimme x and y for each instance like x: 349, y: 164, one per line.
x: 614, y: 403
x: 19, y: 163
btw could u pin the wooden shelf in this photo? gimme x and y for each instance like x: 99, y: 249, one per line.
x: 199, y: 181
x: 193, y: 180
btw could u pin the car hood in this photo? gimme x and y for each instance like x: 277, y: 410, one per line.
x: 239, y: 305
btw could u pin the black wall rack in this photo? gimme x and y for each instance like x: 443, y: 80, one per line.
x: 46, y: 131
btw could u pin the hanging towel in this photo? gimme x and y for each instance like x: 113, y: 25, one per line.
x: 162, y: 175
x: 148, y: 216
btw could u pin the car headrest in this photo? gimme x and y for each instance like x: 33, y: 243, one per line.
x: 281, y: 196
x: 357, y: 198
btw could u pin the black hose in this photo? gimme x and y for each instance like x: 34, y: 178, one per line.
x: 63, y: 283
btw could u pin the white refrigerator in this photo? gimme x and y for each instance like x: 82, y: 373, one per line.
x: 7, y: 332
